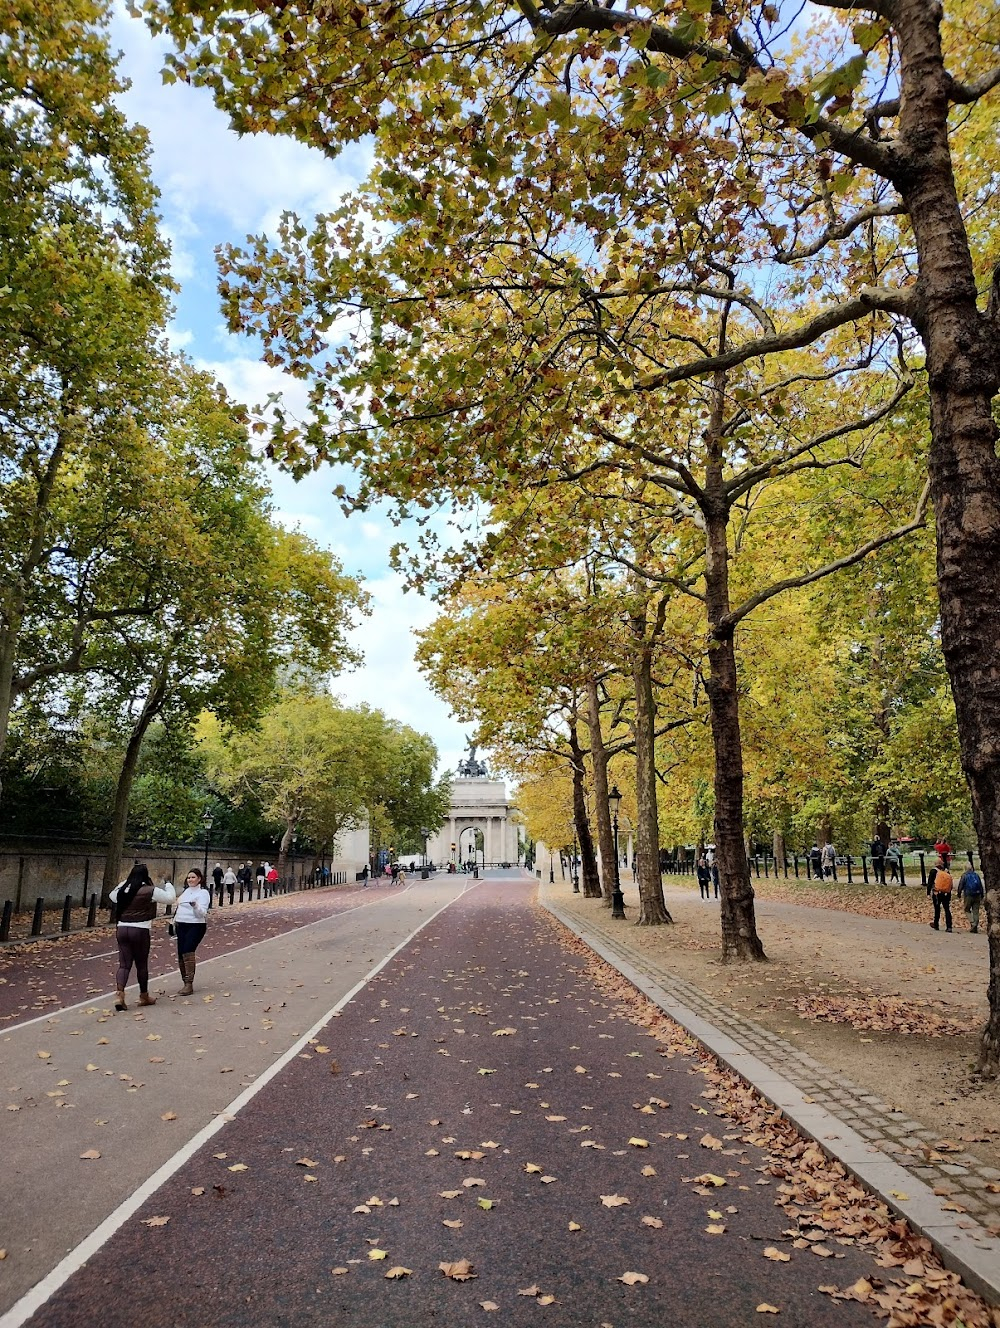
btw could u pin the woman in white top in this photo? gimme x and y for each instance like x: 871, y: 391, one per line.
x: 190, y: 924
x: 135, y: 901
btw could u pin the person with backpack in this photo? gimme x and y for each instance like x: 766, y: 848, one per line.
x: 941, y: 884
x: 704, y: 873
x: 878, y: 860
x: 970, y: 892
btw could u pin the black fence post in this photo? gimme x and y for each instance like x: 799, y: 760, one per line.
x: 923, y: 871
x: 20, y: 882
x: 67, y: 914
x: 86, y: 882
x: 36, y: 921
x: 902, y: 870
x: 864, y: 868
x: 92, y: 911
x: 795, y: 864
x: 808, y: 867
x: 8, y: 909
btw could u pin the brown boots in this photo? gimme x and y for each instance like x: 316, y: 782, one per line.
x: 120, y: 1000
x: 187, y: 964
x: 146, y: 999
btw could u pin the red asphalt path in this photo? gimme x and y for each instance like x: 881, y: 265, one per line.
x: 43, y: 977
x: 481, y: 1063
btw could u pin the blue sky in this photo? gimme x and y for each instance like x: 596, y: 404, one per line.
x: 215, y: 188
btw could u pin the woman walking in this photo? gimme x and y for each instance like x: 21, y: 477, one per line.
x: 135, y: 901
x: 190, y: 923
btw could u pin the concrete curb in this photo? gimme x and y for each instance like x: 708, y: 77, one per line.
x: 974, y: 1255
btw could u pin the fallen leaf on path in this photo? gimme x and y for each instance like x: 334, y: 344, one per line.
x: 169, y: 1115
x: 198, y: 1189
x: 779, y: 1256
x: 652, y: 1222
x: 454, y: 1225
x: 239, y: 1166
x: 155, y: 1221
x: 399, y: 1271
x: 613, y: 1200
x: 714, y: 1229
x: 472, y: 1182
x: 306, y: 1162
x: 530, y: 1291
x: 461, y: 1270
x: 639, y: 1143
x: 91, y: 1155
x: 486, y: 1204
x: 378, y: 1254
x: 632, y: 1279
x: 768, y: 1309
x: 488, y: 1305
x: 339, y: 1272
x: 710, y: 1141
x: 575, y: 1226
x: 546, y: 1300
x: 648, y: 1171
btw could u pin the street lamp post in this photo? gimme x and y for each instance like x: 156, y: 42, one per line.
x: 576, y: 870
x: 292, y: 864
x: 206, y: 821
x: 617, y: 898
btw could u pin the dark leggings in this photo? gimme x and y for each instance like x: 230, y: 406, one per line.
x: 133, y: 948
x: 942, y: 901
x: 189, y: 936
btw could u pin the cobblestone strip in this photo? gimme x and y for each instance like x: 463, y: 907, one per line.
x: 943, y: 1195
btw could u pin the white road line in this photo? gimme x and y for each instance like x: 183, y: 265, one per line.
x: 33, y: 1300
x: 162, y: 977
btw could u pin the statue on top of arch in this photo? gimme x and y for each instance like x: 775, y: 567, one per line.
x: 469, y: 767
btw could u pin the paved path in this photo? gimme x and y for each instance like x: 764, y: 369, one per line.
x: 950, y: 1196
x: 41, y: 977
x: 138, y: 1087
x: 472, y: 1102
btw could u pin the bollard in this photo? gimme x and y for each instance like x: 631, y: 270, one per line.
x: 808, y: 868
x: 86, y: 882
x: 864, y: 868
x: 784, y: 863
x: 36, y: 921
x: 92, y: 911
x: 902, y: 870
x: 8, y: 909
x: 795, y: 864
x: 67, y: 914
x: 766, y: 872
x: 923, y: 871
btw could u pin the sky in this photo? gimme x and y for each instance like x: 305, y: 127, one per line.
x: 217, y: 188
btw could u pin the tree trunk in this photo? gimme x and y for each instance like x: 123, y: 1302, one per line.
x: 588, y: 859
x: 778, y: 851
x: 739, y: 926
x: 652, y: 906
x: 123, y: 792
x: 284, y: 846
x: 962, y: 370
x: 599, y: 759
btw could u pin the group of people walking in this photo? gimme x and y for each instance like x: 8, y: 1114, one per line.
x: 941, y: 883
x: 244, y: 876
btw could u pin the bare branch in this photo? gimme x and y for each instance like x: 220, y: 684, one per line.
x: 841, y: 231
x: 795, y: 582
x: 965, y: 93
x: 742, y: 484
x: 868, y: 299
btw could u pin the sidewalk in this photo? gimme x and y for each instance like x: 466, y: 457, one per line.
x: 952, y: 1197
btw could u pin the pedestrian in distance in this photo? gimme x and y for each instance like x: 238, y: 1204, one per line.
x: 715, y: 877
x: 878, y: 860
x: 135, y: 901
x: 941, y: 895
x: 261, y: 878
x: 816, y: 861
x: 944, y: 850
x: 894, y: 861
x: 229, y: 881
x: 704, y: 877
x: 190, y: 925
x: 270, y: 880
x: 217, y: 875
x: 970, y: 895
x: 828, y: 857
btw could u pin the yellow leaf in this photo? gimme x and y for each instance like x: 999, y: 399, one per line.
x: 778, y: 1256
x: 532, y: 1168
x: 239, y: 1166
x: 613, y: 1200
x: 633, y: 1279
x: 339, y: 1272
x: 504, y: 1032
x: 649, y: 1171
x: 399, y: 1271
x: 714, y: 1229
x: 378, y: 1254
x: 102, y: 1042
x: 306, y: 1162
x: 546, y: 1300
x: 768, y: 1309
x: 580, y: 1069
x: 91, y: 1155
x: 639, y: 1143
x: 169, y: 1115
x: 575, y: 1226
x: 709, y: 1179
x: 43, y: 1055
